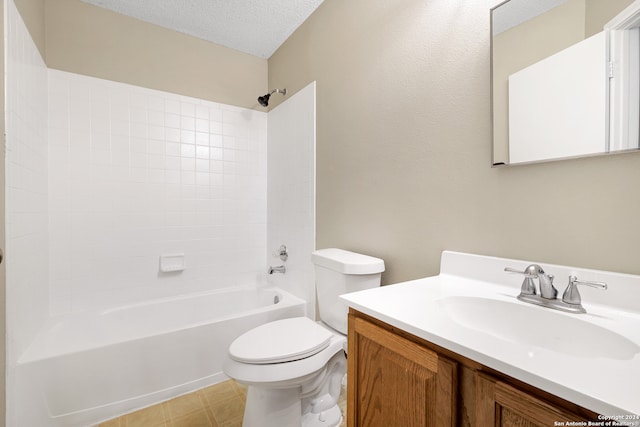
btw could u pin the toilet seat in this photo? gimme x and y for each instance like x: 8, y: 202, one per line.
x: 279, y: 375
x: 280, y: 341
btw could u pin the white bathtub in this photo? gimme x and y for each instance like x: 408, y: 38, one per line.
x: 90, y: 367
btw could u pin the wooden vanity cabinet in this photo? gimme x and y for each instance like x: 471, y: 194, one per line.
x: 392, y: 381
x: 395, y: 379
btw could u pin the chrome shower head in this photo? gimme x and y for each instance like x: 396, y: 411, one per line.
x: 264, y: 100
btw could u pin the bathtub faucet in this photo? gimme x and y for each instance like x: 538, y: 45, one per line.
x: 279, y: 269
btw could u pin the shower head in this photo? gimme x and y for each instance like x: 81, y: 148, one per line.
x: 264, y: 100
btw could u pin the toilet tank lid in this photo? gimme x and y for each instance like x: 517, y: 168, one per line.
x: 347, y: 262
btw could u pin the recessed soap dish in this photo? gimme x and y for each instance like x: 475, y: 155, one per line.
x: 171, y: 263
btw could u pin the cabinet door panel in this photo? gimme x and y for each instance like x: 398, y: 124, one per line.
x: 499, y: 404
x: 509, y: 418
x: 396, y: 382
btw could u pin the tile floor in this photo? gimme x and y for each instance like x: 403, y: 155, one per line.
x: 221, y: 405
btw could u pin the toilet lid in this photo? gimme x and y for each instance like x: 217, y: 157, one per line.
x: 280, y: 341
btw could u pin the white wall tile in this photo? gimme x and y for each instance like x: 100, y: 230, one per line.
x: 27, y: 273
x: 291, y: 191
x: 26, y: 182
x: 139, y: 179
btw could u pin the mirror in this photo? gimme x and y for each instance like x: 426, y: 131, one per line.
x: 564, y: 77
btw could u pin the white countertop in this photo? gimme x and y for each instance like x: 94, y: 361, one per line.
x: 587, y: 376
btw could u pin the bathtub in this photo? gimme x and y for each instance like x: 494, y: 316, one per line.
x: 88, y: 367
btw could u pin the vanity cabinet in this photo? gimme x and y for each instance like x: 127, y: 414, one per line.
x: 397, y: 379
x: 392, y: 381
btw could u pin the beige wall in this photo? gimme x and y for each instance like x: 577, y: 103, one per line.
x: 32, y: 13
x: 89, y: 40
x: 404, y: 148
x: 599, y: 12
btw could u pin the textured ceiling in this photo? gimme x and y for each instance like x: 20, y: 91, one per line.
x: 257, y: 27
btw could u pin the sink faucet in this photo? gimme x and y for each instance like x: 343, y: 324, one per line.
x: 571, y: 300
x: 279, y: 269
x: 545, y: 281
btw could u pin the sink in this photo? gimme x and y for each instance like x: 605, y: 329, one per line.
x: 471, y: 309
x: 539, y: 327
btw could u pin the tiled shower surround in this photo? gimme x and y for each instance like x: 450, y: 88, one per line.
x: 102, y: 178
x: 136, y: 173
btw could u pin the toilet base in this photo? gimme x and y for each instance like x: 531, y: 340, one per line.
x: 272, y: 408
x: 282, y: 408
x: 313, y: 403
x: 332, y: 417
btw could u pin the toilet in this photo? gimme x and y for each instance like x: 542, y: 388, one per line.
x: 294, y: 367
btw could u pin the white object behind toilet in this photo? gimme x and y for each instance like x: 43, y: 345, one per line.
x: 339, y: 272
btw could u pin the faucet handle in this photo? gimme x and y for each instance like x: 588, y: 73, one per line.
x: 526, y: 272
x: 528, y: 286
x: 282, y: 253
x: 571, y: 294
x: 533, y: 271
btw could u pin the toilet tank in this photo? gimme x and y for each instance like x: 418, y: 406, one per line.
x: 339, y: 272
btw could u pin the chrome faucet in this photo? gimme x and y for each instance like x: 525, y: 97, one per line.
x: 279, y: 269
x: 548, y: 297
x: 545, y: 281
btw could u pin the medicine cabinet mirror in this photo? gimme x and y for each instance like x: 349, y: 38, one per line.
x: 565, y: 78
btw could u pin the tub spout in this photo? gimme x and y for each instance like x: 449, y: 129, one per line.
x: 279, y: 269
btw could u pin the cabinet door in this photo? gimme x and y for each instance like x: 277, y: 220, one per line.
x: 499, y: 404
x: 393, y: 381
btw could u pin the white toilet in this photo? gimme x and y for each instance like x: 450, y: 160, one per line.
x: 294, y: 367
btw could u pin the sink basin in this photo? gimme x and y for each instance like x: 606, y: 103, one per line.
x: 538, y: 327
